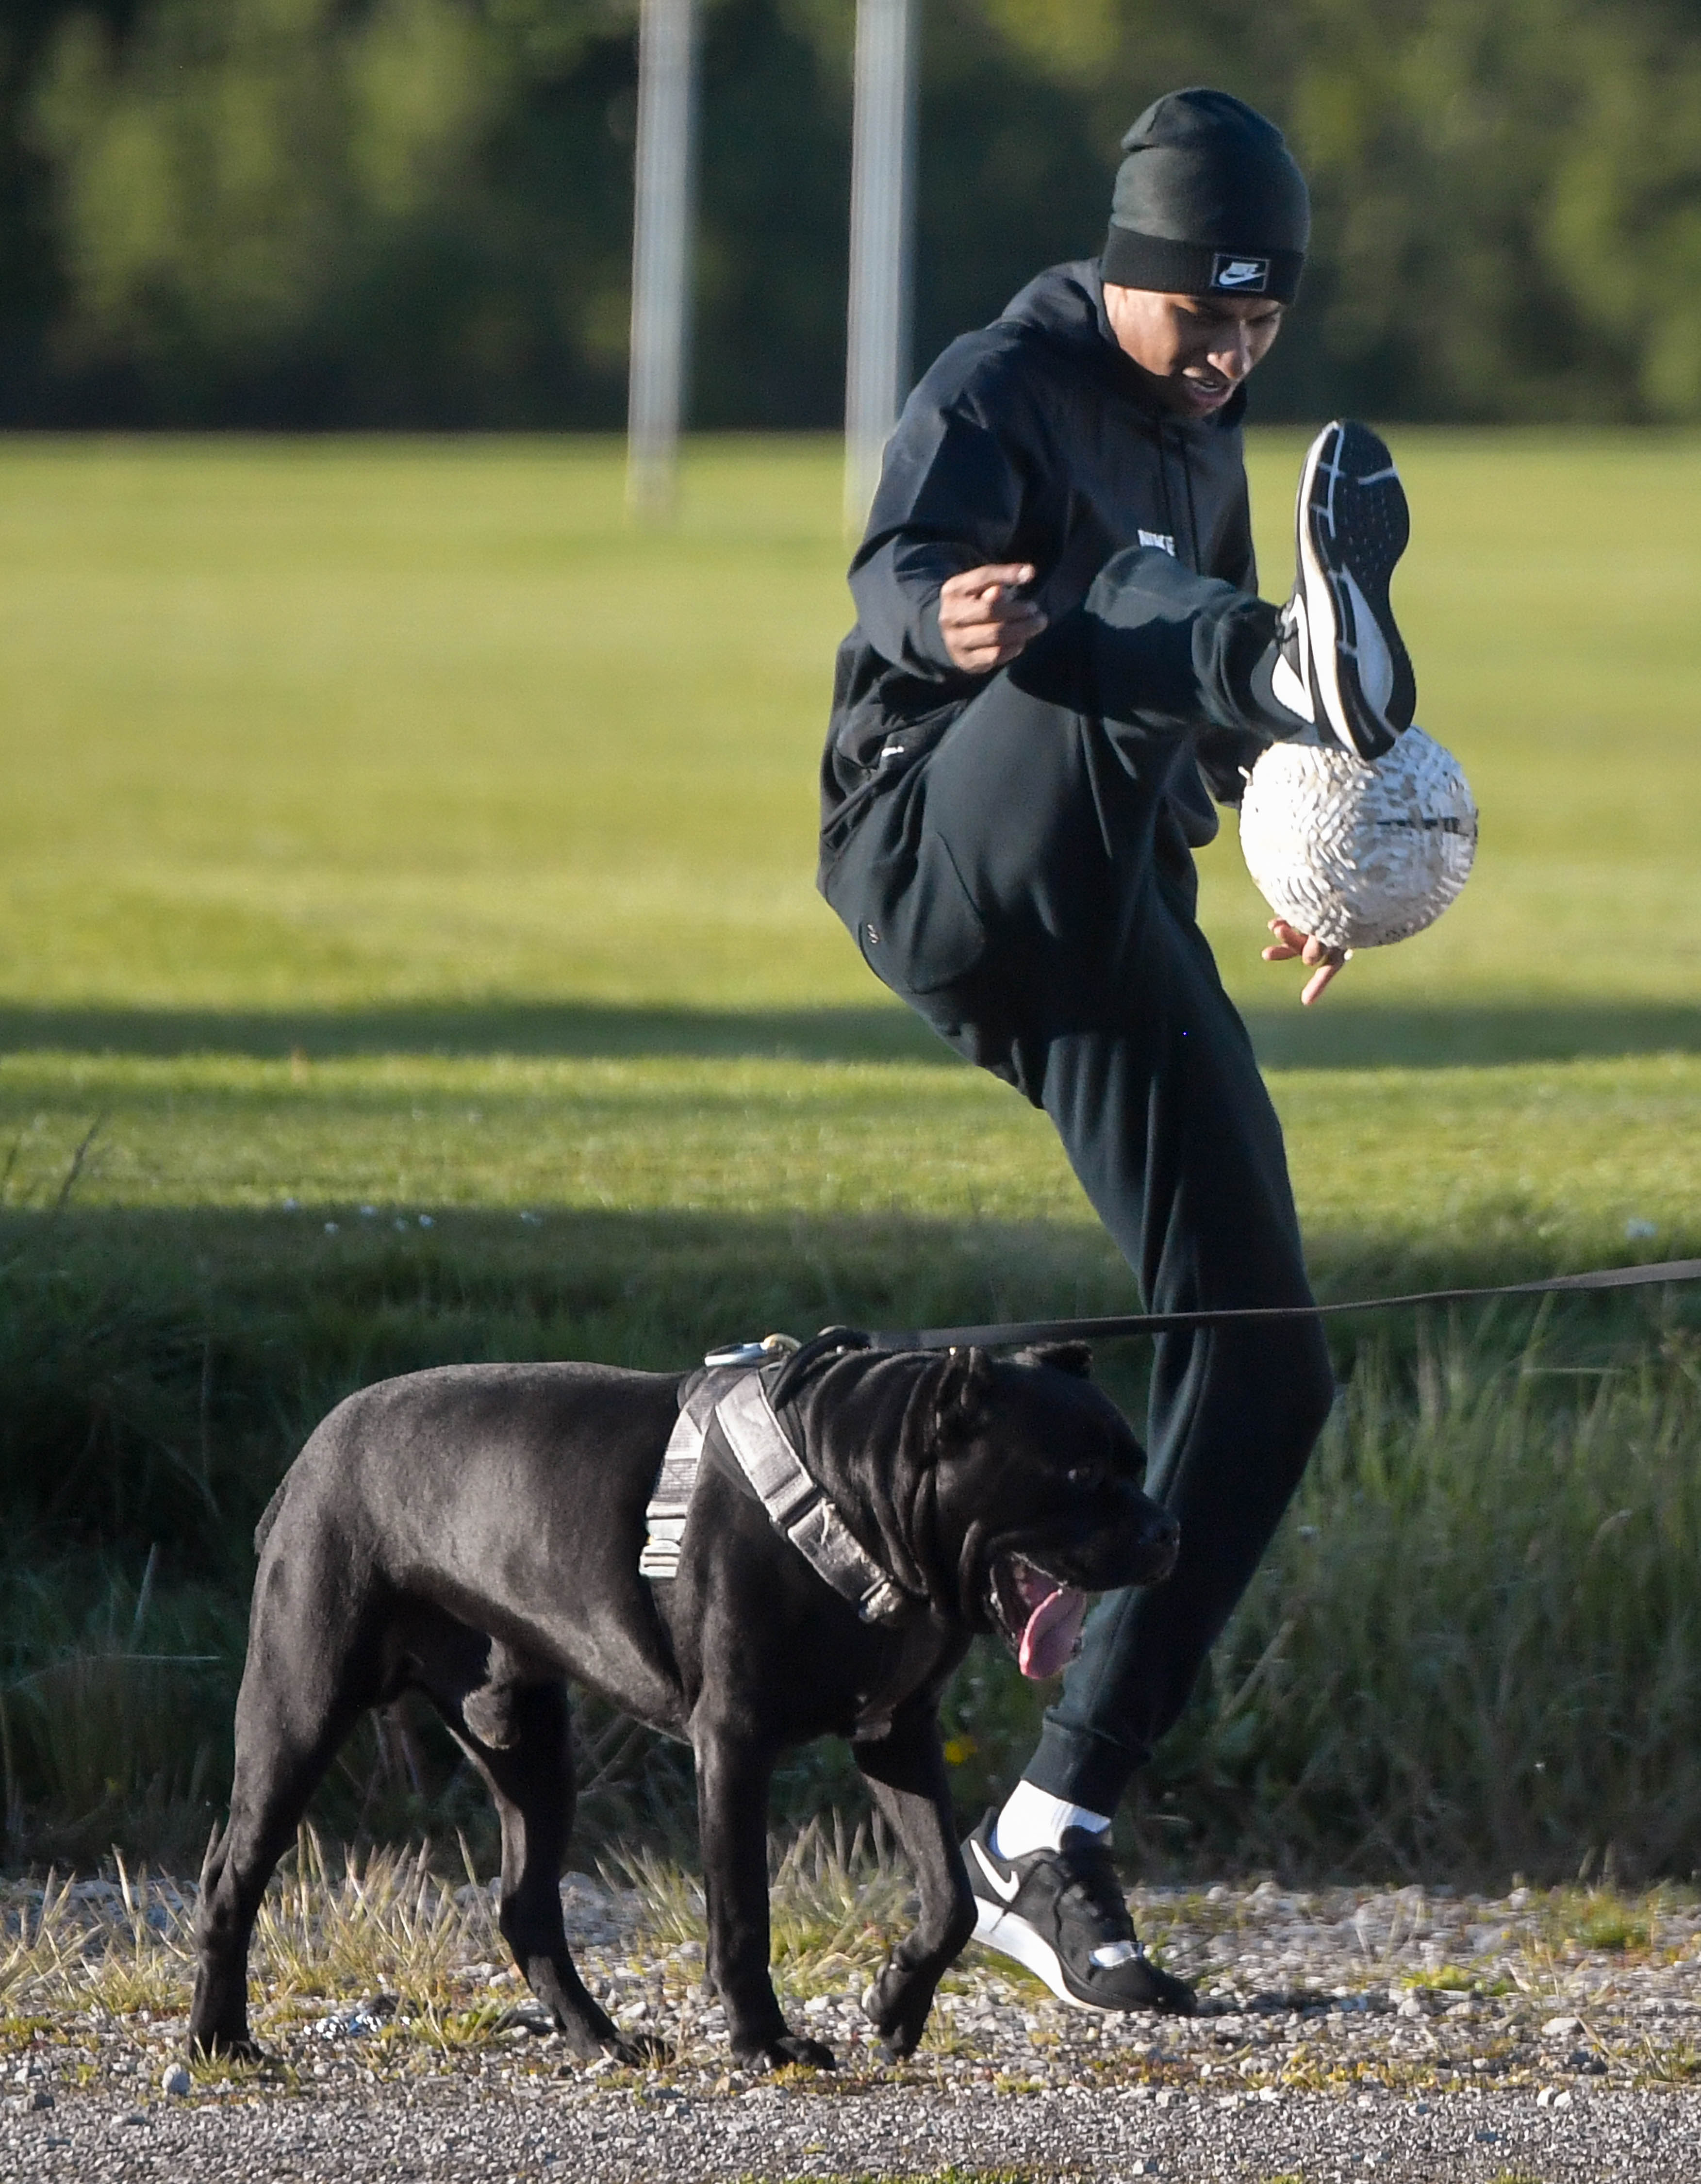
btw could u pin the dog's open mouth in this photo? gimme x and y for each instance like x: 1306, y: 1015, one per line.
x: 1040, y: 1617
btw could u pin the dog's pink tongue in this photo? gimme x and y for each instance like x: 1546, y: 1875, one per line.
x: 1049, y: 1636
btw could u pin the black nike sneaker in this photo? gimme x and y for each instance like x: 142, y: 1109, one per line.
x: 1061, y: 1912
x: 1338, y: 639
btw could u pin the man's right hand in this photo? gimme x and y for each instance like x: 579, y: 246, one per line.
x: 983, y: 622
x: 1319, y: 957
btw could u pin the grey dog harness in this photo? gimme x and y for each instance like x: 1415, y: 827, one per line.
x: 733, y: 1407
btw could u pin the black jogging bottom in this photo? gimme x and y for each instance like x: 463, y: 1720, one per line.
x: 1024, y: 884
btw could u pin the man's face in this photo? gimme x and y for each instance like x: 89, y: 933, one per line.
x: 1193, y: 350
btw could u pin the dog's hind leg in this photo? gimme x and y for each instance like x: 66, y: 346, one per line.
x: 516, y: 1731
x: 905, y: 1772
x: 304, y: 1685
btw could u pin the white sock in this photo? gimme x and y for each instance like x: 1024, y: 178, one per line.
x: 1034, y: 1820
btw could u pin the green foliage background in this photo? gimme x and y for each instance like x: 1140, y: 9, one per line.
x: 311, y: 213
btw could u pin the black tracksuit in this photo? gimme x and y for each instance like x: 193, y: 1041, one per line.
x: 1013, y: 853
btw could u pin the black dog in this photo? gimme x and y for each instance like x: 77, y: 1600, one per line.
x: 474, y: 1534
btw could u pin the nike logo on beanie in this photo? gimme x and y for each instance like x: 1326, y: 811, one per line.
x: 1248, y: 273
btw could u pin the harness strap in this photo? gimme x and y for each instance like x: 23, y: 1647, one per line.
x: 670, y: 1501
x: 797, y: 1506
x: 744, y: 1418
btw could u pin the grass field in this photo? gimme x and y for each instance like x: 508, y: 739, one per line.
x: 414, y: 763
x: 407, y: 868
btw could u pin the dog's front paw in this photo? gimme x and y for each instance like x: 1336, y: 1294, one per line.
x: 789, y: 2047
x: 896, y: 2005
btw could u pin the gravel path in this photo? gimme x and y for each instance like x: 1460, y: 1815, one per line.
x: 464, y: 2133
x: 1407, y: 2036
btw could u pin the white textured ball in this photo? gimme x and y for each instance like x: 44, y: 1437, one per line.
x: 1354, y: 854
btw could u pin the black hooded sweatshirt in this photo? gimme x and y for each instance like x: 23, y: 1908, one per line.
x: 1033, y: 440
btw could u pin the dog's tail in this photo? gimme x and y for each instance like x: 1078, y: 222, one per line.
x: 269, y: 1517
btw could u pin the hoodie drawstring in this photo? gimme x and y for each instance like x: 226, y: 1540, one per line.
x: 1192, y: 511
x: 1189, y: 557
x: 1163, y: 476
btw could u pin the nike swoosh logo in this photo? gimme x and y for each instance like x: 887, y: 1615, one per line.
x: 1004, y: 1889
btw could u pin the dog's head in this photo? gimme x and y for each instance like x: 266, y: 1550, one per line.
x: 1003, y: 1490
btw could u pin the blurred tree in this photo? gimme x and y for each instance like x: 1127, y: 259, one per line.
x: 304, y: 211
x: 1502, y: 194
x: 373, y: 212
x: 31, y: 293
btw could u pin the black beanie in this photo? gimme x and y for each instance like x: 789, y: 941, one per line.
x: 1209, y: 202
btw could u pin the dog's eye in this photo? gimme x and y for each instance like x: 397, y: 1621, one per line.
x: 1082, y: 1474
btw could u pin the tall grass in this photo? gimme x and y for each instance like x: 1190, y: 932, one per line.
x: 115, y: 1692
x: 1477, y: 1645
x: 837, y: 1896
x: 331, y: 1924
x: 405, y: 1921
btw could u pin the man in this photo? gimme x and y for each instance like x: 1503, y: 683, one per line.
x: 1058, y: 649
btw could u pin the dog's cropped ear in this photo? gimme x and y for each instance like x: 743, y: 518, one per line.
x: 1076, y: 1357
x: 963, y: 1392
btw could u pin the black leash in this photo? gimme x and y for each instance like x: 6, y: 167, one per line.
x: 1001, y: 1335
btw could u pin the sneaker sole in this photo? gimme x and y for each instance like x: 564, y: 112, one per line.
x: 1011, y: 1937
x: 1014, y: 1938
x: 1353, y: 524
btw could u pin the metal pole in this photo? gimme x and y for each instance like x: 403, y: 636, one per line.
x: 881, y: 194
x: 660, y: 249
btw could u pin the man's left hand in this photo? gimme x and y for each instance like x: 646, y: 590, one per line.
x: 1319, y: 957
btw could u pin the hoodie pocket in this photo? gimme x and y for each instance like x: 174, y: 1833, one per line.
x: 914, y: 920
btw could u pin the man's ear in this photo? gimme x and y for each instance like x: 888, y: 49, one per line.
x: 962, y: 1393
x: 1075, y: 1357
